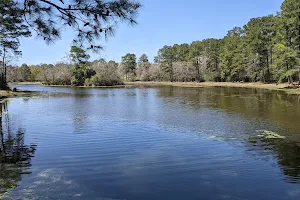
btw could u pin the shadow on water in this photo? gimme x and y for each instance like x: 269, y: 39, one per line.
x: 281, y: 109
x: 15, y: 156
x: 286, y: 153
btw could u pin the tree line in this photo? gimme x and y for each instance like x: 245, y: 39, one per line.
x: 78, y: 71
x: 90, y: 21
x: 266, y: 49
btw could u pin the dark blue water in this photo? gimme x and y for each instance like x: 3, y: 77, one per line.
x: 154, y: 143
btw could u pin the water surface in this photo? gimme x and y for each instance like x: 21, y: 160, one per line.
x: 151, y: 143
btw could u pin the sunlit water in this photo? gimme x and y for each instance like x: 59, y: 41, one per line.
x: 152, y: 143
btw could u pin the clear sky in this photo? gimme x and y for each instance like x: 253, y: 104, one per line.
x: 161, y: 22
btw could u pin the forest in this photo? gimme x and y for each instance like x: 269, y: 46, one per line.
x: 266, y: 49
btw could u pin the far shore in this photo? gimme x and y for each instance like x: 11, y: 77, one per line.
x: 279, y: 87
x: 285, y: 87
x: 40, y: 83
x: 114, y: 86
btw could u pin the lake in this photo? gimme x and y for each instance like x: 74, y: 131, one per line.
x: 146, y: 142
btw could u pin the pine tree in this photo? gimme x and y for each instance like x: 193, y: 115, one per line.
x: 11, y: 29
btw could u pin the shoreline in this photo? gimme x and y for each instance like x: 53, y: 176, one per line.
x: 5, y: 94
x: 40, y: 83
x: 258, y: 85
x: 284, y: 87
x: 69, y: 86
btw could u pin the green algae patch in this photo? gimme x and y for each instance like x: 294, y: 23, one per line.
x: 269, y: 135
x: 211, y: 137
x: 215, y: 138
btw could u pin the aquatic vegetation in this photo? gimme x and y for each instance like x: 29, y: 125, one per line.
x: 215, y: 138
x: 269, y: 135
x: 211, y: 137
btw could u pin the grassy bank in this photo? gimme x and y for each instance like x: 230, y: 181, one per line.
x: 280, y: 87
x: 9, y: 94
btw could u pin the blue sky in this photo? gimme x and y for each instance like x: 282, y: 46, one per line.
x: 161, y: 22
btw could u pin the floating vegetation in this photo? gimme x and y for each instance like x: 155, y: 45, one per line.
x: 215, y: 138
x: 269, y: 135
x: 252, y: 140
x: 211, y: 137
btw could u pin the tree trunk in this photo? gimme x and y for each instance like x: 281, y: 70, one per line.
x: 2, y: 71
x: 171, y: 73
x: 198, y: 72
x: 268, y: 70
x: 289, y: 77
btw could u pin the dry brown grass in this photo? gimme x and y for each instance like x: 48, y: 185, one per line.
x: 26, y: 83
x: 8, y: 94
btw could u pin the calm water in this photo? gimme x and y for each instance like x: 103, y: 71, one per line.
x: 150, y: 143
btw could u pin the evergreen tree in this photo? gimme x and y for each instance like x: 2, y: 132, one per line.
x: 289, y: 40
x: 143, y: 58
x: 284, y: 58
x: 129, y: 63
x: 81, y: 70
x: 78, y: 55
x: 259, y: 34
x: 232, y: 62
x: 166, y: 57
x: 212, y: 51
x: 197, y: 57
x: 90, y: 20
x: 11, y: 29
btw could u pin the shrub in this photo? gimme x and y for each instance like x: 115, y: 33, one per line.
x: 101, y: 80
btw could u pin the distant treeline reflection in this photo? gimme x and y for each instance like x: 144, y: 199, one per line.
x: 282, y: 109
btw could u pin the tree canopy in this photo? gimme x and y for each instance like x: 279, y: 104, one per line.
x: 129, y: 64
x: 89, y: 19
x: 78, y: 54
x: 12, y: 27
x: 143, y: 58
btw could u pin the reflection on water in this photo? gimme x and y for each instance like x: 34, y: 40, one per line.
x: 15, y: 156
x: 271, y: 105
x: 156, y: 143
x: 283, y: 110
x: 286, y: 153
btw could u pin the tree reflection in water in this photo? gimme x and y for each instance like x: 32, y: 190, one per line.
x: 253, y: 103
x: 287, y: 153
x: 15, y: 156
